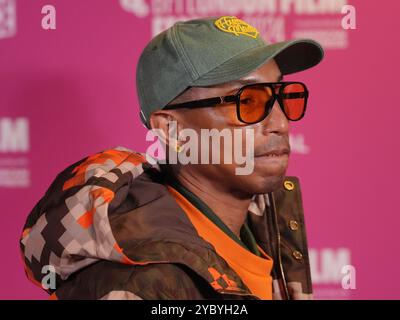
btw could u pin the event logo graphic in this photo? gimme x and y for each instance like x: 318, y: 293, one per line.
x: 14, y: 135
x: 326, y: 21
x: 138, y: 7
x: 8, y: 18
x: 332, y: 272
x: 14, y: 144
x: 298, y: 144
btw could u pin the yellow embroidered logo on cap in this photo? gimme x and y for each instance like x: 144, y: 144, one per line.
x: 236, y: 26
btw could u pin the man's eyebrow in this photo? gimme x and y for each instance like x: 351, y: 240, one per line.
x: 252, y: 80
x: 242, y: 82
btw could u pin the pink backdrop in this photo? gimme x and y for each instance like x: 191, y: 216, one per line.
x: 70, y: 92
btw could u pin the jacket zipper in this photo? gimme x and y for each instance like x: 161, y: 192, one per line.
x: 278, y: 239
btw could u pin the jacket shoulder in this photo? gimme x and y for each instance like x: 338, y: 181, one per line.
x: 75, y: 196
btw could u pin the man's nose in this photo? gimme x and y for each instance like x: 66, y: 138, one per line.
x: 276, y: 121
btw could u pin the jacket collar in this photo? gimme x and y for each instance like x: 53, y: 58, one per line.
x: 169, y: 235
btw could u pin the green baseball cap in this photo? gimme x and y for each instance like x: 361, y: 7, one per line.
x: 210, y: 51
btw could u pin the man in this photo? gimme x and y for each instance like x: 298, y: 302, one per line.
x: 114, y: 226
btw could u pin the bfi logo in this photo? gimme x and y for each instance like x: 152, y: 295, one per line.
x: 14, y: 134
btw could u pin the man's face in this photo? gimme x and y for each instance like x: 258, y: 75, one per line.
x: 270, y: 134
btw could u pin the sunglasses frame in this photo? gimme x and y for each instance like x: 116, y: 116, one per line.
x: 208, y: 102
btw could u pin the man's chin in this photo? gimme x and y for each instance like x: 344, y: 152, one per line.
x: 269, y: 184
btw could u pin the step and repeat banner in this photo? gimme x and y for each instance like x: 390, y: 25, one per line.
x: 67, y: 90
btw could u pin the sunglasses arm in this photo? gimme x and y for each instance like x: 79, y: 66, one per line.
x: 203, y: 103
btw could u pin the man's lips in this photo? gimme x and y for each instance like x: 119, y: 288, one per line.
x: 275, y: 153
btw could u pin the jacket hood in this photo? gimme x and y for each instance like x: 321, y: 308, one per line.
x: 113, y: 206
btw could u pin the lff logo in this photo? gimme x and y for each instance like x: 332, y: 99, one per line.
x: 8, y: 18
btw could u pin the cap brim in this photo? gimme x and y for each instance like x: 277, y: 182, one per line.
x: 291, y: 56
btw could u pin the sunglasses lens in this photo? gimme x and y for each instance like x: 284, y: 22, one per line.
x: 254, y: 102
x: 294, y: 99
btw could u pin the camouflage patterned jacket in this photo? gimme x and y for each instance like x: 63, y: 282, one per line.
x: 109, y: 229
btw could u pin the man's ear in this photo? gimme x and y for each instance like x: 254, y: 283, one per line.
x: 166, y: 126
